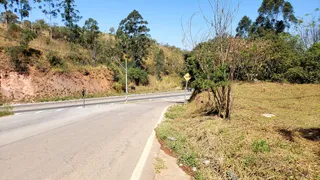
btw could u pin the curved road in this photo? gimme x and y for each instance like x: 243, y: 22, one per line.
x: 95, y: 142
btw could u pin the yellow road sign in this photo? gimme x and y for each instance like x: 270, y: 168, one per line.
x: 187, y: 77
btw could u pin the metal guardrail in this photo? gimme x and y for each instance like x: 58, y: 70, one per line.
x: 88, y: 102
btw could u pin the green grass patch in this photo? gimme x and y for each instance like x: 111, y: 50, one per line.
x: 6, y: 112
x: 260, y: 146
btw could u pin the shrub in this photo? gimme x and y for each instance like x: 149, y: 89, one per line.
x: 118, y: 87
x: 296, y: 75
x: 27, y: 24
x: 77, y: 58
x: 55, y: 60
x: 138, y: 76
x: 19, y: 58
x: 6, y: 112
x: 14, y: 30
x: 27, y: 37
x: 60, y: 33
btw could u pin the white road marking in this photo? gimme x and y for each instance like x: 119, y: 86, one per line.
x: 59, y: 110
x: 136, y: 174
x: 79, y: 107
x: 38, y: 112
x: 17, y: 114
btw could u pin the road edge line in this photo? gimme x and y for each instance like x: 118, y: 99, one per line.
x: 136, y: 174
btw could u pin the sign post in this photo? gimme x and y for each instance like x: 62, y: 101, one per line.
x: 187, y: 77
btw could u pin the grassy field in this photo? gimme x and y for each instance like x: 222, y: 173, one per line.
x: 250, y: 146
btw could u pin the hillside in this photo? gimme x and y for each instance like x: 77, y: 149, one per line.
x: 55, y: 69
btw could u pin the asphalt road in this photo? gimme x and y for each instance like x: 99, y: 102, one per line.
x: 95, y: 142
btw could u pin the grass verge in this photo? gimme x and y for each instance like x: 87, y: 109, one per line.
x: 6, y: 112
x: 250, y: 146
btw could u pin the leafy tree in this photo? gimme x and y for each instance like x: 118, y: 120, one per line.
x: 159, y: 65
x: 9, y: 17
x: 311, y: 64
x: 112, y: 30
x: 90, y: 34
x: 50, y: 8
x: 134, y: 38
x: 70, y: 14
x: 27, y: 37
x: 274, y: 15
x: 138, y: 76
x: 244, y: 27
x: 4, y: 15
x: 22, y: 7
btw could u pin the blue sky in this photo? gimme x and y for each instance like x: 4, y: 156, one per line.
x: 164, y: 16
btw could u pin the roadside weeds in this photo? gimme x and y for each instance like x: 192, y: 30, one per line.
x: 7, y: 111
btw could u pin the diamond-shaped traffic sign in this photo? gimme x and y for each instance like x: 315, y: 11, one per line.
x: 187, y: 77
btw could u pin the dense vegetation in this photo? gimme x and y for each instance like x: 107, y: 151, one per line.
x: 37, y: 43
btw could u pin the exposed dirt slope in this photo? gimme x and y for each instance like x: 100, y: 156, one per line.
x: 17, y: 87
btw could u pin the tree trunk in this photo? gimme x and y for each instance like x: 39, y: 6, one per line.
x: 228, y: 108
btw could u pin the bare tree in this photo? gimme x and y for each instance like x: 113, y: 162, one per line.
x: 308, y: 28
x: 216, y: 56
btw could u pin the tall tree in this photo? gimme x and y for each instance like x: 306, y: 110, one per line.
x: 70, y: 14
x: 275, y: 15
x: 90, y: 36
x: 159, y: 58
x: 308, y: 28
x: 8, y: 17
x: 22, y: 7
x: 244, y: 27
x: 112, y: 30
x: 50, y: 8
x: 133, y: 34
x: 4, y: 3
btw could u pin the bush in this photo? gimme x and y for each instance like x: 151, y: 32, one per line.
x: 27, y: 37
x: 77, y: 58
x: 296, y: 75
x: 60, y: 33
x: 55, y: 60
x: 138, y: 76
x: 14, y: 30
x: 27, y: 24
x: 118, y: 87
x: 19, y: 59
x: 7, y: 111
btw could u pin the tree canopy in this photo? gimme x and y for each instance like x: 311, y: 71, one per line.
x: 274, y: 15
x: 134, y: 37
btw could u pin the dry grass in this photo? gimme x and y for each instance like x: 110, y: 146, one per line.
x: 251, y: 146
x: 172, y: 82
